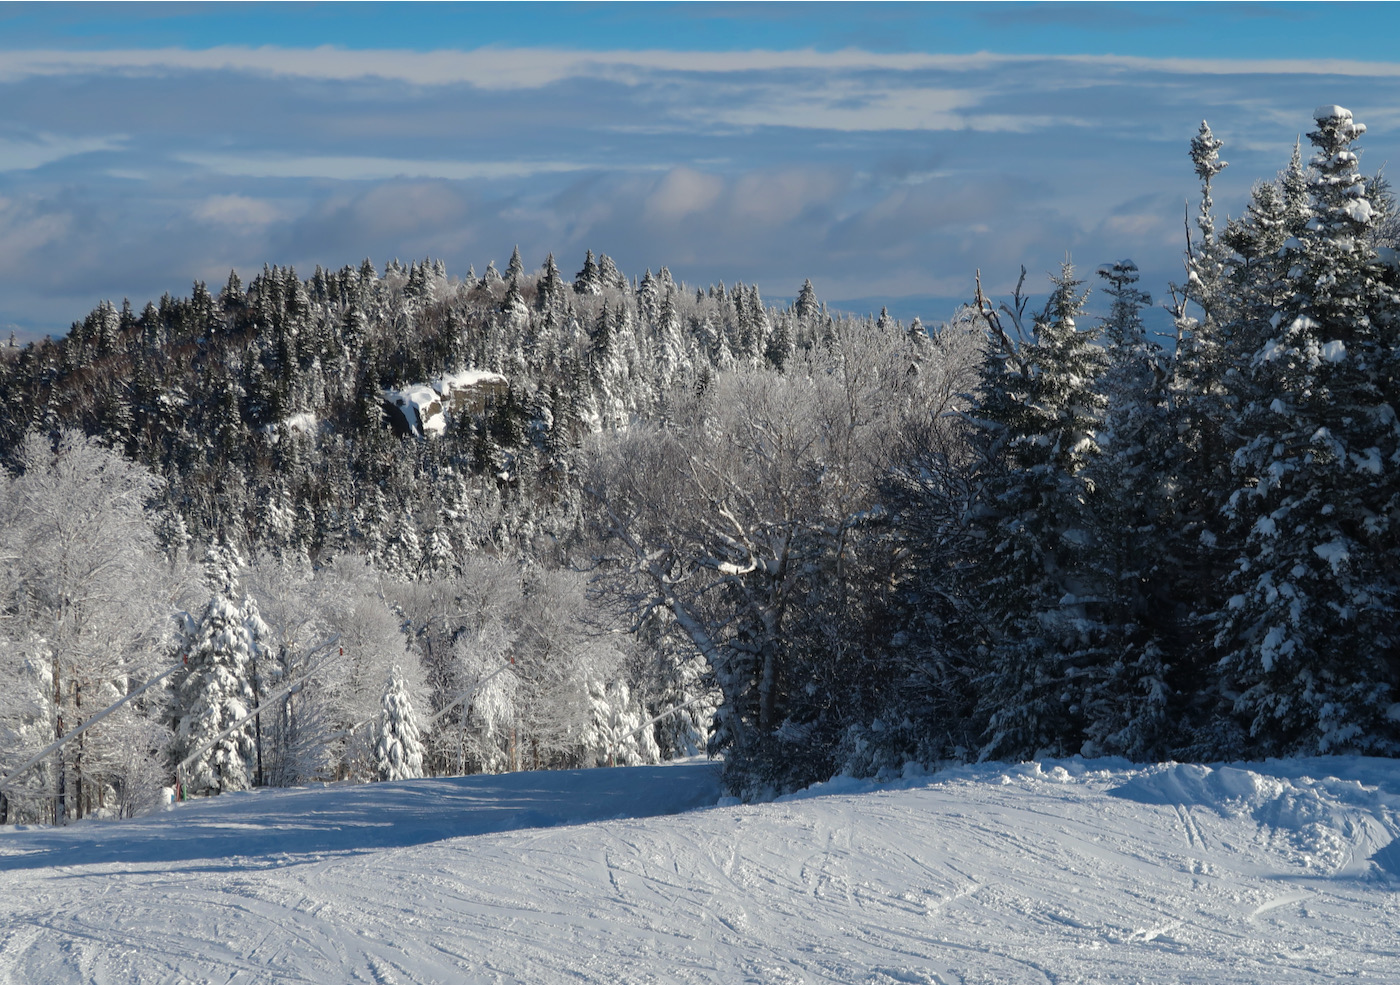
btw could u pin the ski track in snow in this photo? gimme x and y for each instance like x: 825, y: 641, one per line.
x: 1095, y: 871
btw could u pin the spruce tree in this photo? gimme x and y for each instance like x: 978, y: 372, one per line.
x: 398, y: 747
x: 550, y: 290
x: 1036, y: 413
x: 1132, y: 556
x: 214, y: 693
x: 589, y: 280
x: 1309, y: 634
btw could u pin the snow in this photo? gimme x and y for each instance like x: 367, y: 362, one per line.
x: 1358, y: 210
x: 1334, y: 552
x: 304, y: 422
x: 448, y: 382
x: 1072, y: 870
x: 1369, y: 462
x: 1331, y: 113
x: 420, y: 406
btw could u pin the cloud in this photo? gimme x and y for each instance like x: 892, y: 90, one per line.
x: 236, y: 210
x: 496, y: 68
x: 870, y: 173
x: 681, y: 193
x: 26, y: 227
x: 361, y: 168
x: 26, y: 154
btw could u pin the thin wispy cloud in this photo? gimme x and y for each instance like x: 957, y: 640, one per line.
x: 380, y: 168
x: 527, y: 68
x: 45, y: 148
x: 893, y: 167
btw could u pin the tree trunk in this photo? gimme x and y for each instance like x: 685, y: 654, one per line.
x: 60, y: 809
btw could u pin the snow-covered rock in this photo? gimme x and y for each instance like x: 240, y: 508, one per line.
x: 424, y: 409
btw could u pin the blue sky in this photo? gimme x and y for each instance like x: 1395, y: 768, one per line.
x: 884, y: 151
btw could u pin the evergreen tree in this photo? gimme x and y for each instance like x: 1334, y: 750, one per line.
x: 1133, y: 556
x: 398, y: 747
x: 806, y: 305
x: 609, y: 273
x: 550, y: 291
x: 588, y: 280
x: 1309, y: 636
x: 214, y: 693
x: 1036, y: 414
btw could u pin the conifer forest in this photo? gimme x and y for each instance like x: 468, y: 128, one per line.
x: 394, y: 521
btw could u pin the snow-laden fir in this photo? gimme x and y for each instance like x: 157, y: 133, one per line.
x: 1058, y: 871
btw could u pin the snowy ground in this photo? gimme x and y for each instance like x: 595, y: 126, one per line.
x: 1072, y: 872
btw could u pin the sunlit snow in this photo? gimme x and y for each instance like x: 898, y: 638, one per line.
x: 1067, y: 871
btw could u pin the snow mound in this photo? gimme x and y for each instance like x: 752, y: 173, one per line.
x: 1329, y: 824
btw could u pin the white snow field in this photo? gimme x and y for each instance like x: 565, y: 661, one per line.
x: 1069, y: 871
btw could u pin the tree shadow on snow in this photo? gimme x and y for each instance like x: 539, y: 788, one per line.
x: 282, y: 827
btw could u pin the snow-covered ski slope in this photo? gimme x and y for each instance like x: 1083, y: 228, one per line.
x: 1055, y: 872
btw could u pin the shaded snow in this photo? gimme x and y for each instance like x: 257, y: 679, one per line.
x: 1334, y: 552
x: 1064, y: 871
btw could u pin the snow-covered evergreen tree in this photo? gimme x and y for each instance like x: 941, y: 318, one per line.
x: 1036, y: 415
x: 619, y: 734
x: 1133, y: 555
x: 214, y: 693
x: 1309, y: 636
x: 398, y: 747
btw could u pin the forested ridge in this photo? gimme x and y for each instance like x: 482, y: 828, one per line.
x: 432, y: 524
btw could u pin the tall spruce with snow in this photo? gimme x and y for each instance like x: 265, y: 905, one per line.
x: 1309, y: 636
x: 1201, y: 401
x: 1037, y: 410
x: 214, y: 693
x: 1133, y: 556
x: 398, y: 748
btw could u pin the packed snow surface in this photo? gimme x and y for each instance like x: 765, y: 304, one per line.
x: 1069, y: 871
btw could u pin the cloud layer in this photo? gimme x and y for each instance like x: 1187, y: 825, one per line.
x: 127, y: 173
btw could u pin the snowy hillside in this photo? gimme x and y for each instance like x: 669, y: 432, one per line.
x: 1071, y: 872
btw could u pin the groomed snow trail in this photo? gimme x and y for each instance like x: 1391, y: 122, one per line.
x: 1063, y: 872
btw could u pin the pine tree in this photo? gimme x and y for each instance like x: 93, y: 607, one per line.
x: 215, y: 692
x: 806, y: 305
x: 1201, y: 403
x: 1036, y: 414
x: 513, y: 304
x: 1309, y: 637
x: 515, y: 269
x: 609, y: 274
x: 550, y: 291
x: 398, y: 747
x: 1133, y: 556
x: 588, y: 280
